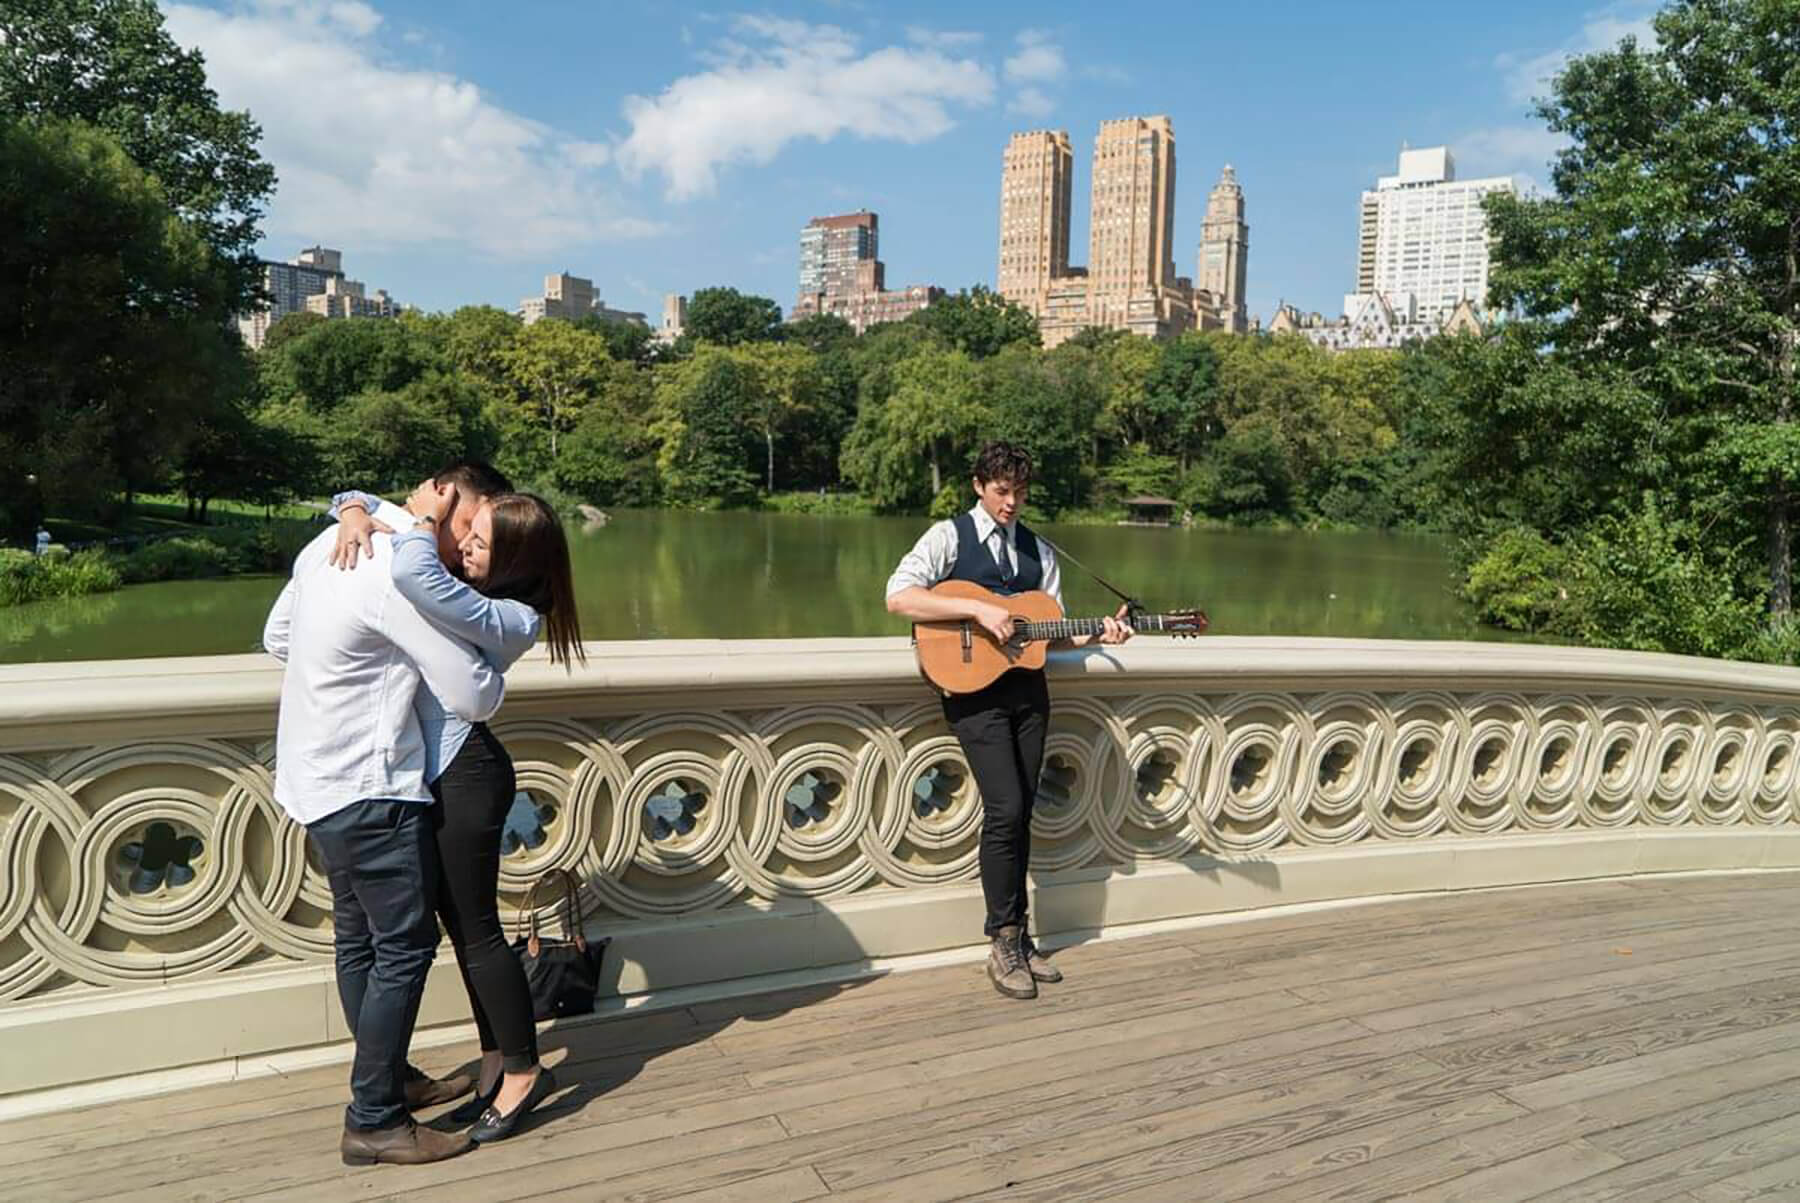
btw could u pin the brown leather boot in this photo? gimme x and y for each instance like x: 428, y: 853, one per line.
x: 403, y: 1144
x: 1041, y: 969
x: 1006, y: 966
x: 423, y: 1091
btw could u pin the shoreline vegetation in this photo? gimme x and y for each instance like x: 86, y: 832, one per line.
x: 85, y: 558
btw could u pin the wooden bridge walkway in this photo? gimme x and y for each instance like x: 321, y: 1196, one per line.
x: 1632, y: 1039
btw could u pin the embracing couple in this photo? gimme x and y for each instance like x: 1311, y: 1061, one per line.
x: 396, y: 631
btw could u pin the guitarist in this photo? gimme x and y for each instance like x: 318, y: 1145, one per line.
x: 1002, y: 727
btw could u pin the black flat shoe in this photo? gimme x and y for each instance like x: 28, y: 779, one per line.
x: 473, y: 1109
x: 493, y: 1126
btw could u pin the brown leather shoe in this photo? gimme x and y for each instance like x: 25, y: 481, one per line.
x: 404, y: 1144
x: 423, y: 1091
x: 1041, y: 969
x: 1006, y: 966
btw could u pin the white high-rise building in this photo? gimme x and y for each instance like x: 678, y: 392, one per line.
x: 1422, y: 239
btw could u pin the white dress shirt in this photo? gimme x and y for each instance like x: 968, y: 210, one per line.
x: 934, y: 555
x: 356, y: 652
x: 502, y: 630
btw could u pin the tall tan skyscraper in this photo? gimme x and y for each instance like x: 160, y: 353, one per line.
x: 1132, y: 239
x: 1035, y: 186
x: 1225, y: 253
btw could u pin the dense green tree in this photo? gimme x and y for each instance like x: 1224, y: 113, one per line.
x: 727, y: 317
x: 785, y: 385
x: 113, y: 323
x: 290, y: 326
x: 626, y: 342
x: 1663, y: 270
x: 557, y: 369
x: 473, y: 337
x: 610, y: 456
x: 704, y: 427
x: 907, y: 449
x: 331, y: 361
x: 1178, y: 414
x: 820, y: 332
x: 978, y: 322
x: 112, y: 65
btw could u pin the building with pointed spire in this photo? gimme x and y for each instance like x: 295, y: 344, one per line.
x: 1223, y: 269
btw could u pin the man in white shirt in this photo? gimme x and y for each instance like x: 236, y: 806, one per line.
x: 1001, y: 728
x: 349, y: 765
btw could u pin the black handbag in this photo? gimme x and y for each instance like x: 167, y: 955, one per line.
x: 564, y: 974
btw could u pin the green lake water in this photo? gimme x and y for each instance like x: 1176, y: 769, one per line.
x: 663, y: 575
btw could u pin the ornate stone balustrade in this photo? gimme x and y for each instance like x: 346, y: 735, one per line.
x: 741, y: 808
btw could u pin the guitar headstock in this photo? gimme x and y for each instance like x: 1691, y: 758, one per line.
x: 1188, y: 622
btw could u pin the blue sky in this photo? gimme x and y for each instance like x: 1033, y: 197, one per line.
x: 457, y: 151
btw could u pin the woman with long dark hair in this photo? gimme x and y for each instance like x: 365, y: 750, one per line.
x: 516, y: 583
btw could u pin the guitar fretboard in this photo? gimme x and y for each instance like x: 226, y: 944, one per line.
x: 1069, y: 628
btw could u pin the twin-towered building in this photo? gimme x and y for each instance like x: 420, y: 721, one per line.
x: 1129, y: 282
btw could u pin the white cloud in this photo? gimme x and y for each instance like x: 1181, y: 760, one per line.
x: 1031, y: 69
x: 375, y: 155
x: 775, y: 81
x: 1038, y: 60
x: 1528, y: 75
x: 1506, y: 150
x: 943, y: 39
x: 1031, y: 102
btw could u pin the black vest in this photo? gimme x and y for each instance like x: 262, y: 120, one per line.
x: 975, y: 560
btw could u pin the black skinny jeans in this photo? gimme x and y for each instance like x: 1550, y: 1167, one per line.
x: 1001, y: 729
x: 473, y: 796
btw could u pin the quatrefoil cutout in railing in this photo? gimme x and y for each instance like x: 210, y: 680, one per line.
x: 527, y: 824
x: 164, y: 857
x: 671, y: 810
x: 1156, y: 775
x: 809, y: 799
x: 1056, y: 784
x: 935, y: 789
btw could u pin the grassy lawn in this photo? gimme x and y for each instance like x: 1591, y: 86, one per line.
x: 161, y: 514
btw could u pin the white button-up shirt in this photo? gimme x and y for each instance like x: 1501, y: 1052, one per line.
x: 934, y: 555
x: 356, y: 652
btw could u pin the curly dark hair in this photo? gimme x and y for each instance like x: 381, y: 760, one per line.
x: 1002, y: 461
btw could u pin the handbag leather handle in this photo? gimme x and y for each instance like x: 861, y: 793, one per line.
x: 573, y: 916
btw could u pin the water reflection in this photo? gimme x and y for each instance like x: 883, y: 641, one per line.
x: 671, y: 575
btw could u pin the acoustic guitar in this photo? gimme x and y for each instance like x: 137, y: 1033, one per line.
x: 959, y: 656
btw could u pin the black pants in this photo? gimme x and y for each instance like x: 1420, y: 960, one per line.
x: 382, y: 864
x: 474, y: 794
x: 1001, y: 729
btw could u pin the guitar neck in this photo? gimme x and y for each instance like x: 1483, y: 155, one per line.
x: 1070, y: 628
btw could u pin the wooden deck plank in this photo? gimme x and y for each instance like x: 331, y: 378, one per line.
x: 1481, y: 1045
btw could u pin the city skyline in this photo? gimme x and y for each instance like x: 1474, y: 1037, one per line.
x: 466, y: 152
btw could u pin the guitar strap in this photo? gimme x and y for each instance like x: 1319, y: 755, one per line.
x: 1132, y: 604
